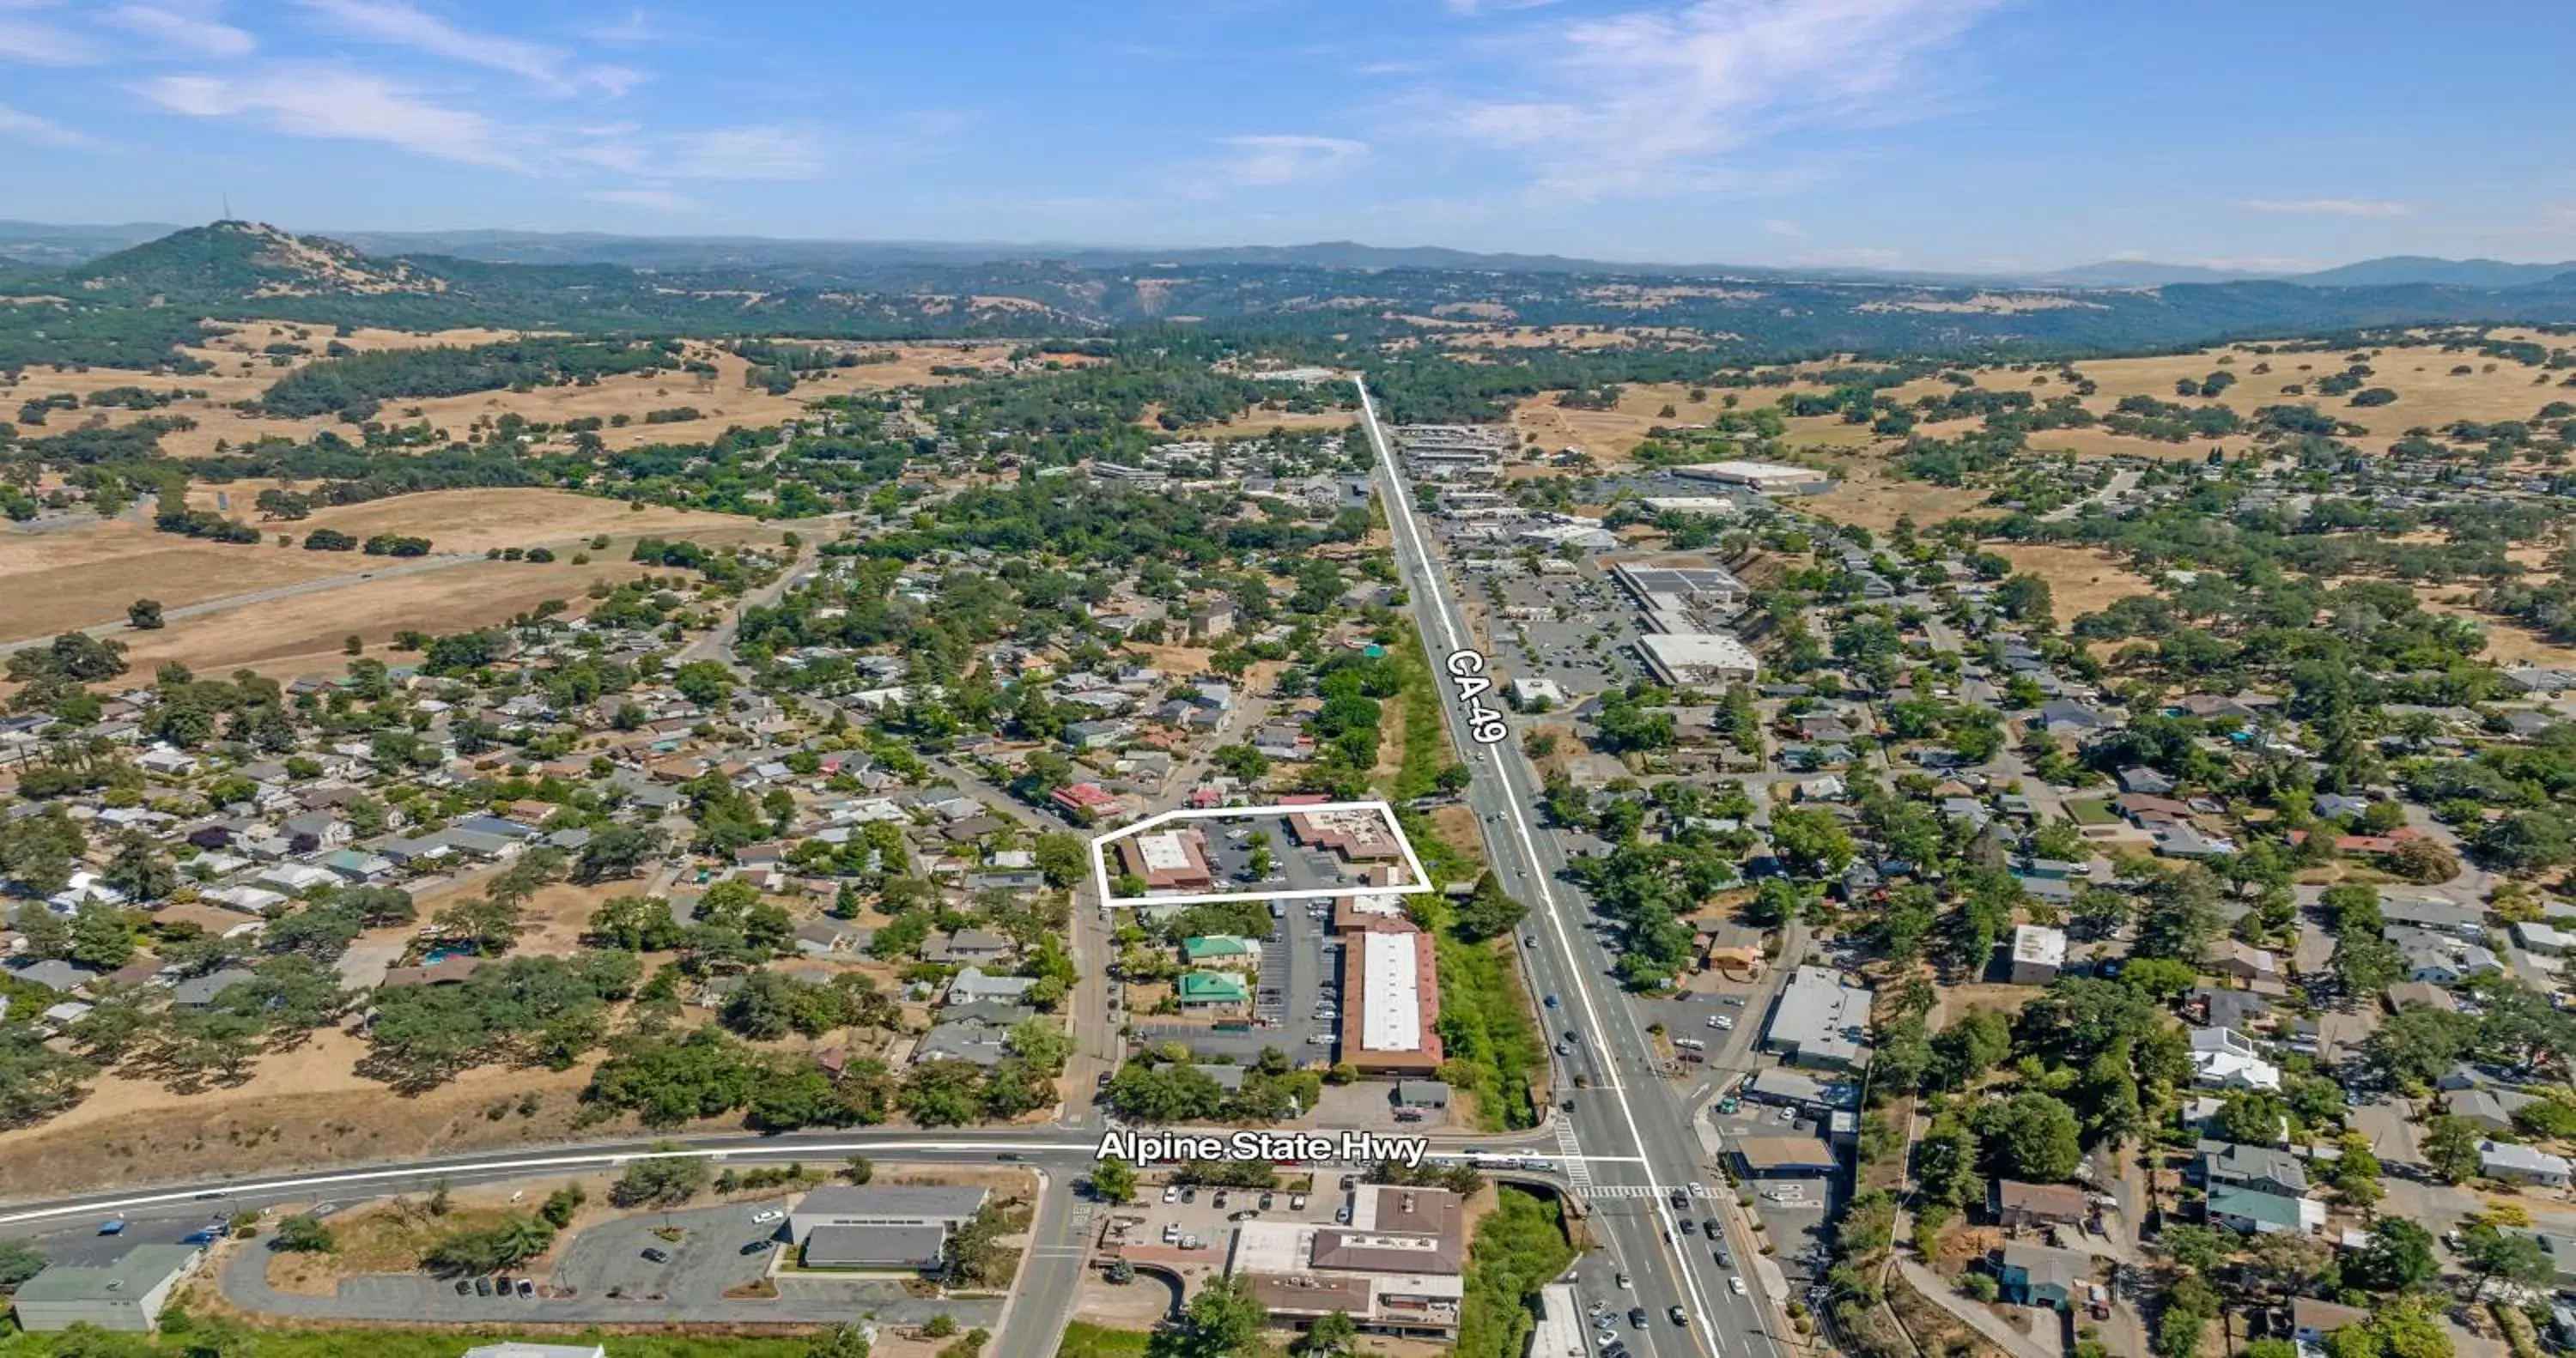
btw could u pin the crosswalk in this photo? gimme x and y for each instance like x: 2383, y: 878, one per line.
x: 1578, y: 1171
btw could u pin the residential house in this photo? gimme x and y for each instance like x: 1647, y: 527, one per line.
x: 2038, y: 954
x: 2019, y: 1205
x: 2522, y: 1164
x: 2227, y: 1164
x: 2036, y: 1275
x: 2251, y: 1211
x: 2223, y: 1058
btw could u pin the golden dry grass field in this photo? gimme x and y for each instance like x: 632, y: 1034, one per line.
x: 242, y: 374
x: 79, y: 577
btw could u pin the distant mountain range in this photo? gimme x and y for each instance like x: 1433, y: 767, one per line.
x: 822, y: 262
x: 131, y: 307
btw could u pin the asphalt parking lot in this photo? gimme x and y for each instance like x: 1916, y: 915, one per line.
x: 1589, y: 608
x: 602, y: 1276
x: 1300, y: 963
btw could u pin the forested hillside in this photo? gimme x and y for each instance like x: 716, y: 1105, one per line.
x: 130, y: 308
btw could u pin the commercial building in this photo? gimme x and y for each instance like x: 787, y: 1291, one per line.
x: 1706, y: 506
x: 1559, y: 1332
x: 881, y: 1227
x: 1674, y: 597
x: 1395, y: 1269
x: 1769, y: 478
x: 1688, y: 659
x: 126, y: 1293
x: 1356, y: 836
x: 1819, y: 1021
x: 1167, y: 860
x: 1783, y: 1156
x: 1390, y: 999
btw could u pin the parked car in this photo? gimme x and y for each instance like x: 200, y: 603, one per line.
x: 465, y: 1287
x: 764, y: 1218
x: 655, y: 1255
x: 527, y: 1289
x: 761, y: 1246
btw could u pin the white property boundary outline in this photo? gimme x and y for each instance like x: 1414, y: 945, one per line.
x: 1100, y: 858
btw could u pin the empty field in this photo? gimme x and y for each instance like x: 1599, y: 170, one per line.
x: 2080, y: 579
x: 83, y: 576
x: 721, y: 399
x: 474, y: 520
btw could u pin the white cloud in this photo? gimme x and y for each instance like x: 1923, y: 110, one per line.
x: 1272, y: 159
x: 2330, y: 207
x: 750, y: 152
x: 180, y: 27
x: 22, y: 126
x: 42, y: 44
x: 1649, y: 101
x: 1781, y: 226
x: 304, y: 100
x: 549, y: 68
x: 659, y: 200
x: 747, y: 153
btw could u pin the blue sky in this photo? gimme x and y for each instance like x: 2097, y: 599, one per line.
x: 1912, y: 133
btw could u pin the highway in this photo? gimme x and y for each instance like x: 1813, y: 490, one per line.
x: 1630, y: 1104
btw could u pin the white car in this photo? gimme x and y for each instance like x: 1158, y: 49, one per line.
x: 1735, y: 1285
x: 765, y: 1218
x: 1721, y: 1021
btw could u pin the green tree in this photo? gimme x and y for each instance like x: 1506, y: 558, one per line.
x: 19, y: 1261
x: 2451, y: 1148
x: 101, y: 936
x: 1114, y: 1180
x: 2032, y: 1137
x: 2495, y: 1254
x: 2398, y: 1257
x: 839, y: 1341
x: 660, y: 1181
x: 1224, y: 1319
x: 144, y: 615
x: 304, y: 1234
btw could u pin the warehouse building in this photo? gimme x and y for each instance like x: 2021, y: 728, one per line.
x: 125, y: 1294
x: 1390, y: 998
x: 1689, y: 659
x: 1768, y: 478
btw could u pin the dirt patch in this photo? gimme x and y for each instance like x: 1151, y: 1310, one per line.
x: 477, y: 520
x: 721, y: 398
x: 2508, y: 643
x: 302, y: 1110
x: 79, y: 577
x: 304, y: 633
x: 2082, y: 580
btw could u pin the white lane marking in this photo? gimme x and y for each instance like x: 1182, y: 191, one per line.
x: 534, y: 1163
x: 1402, y: 509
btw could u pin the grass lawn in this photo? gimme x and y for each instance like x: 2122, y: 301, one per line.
x: 2092, y: 811
x: 1083, y: 1340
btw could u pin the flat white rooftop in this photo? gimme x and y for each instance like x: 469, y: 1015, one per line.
x: 1164, y: 852
x: 1393, y: 1014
